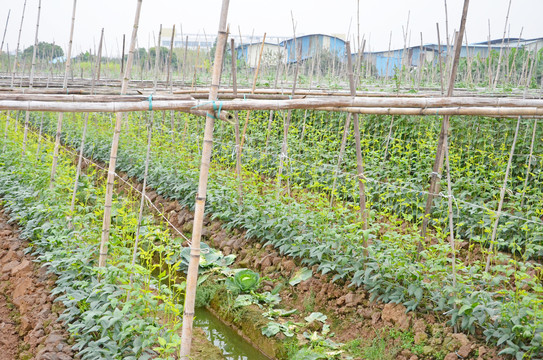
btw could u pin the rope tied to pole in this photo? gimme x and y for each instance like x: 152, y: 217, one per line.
x: 216, y: 109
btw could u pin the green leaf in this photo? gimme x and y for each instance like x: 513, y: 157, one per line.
x: 162, y: 341
x: 271, y: 329
x: 301, y: 275
x: 316, y: 316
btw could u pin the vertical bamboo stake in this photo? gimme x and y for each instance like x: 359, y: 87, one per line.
x: 501, y: 48
x: 17, y: 48
x: 529, y: 164
x: 5, y: 30
x: 389, y: 137
x: 451, y: 224
x: 6, y: 132
x: 31, y: 78
x: 195, y: 67
x: 258, y: 64
x: 122, y: 54
x: 169, y: 80
x: 252, y: 91
x: 359, y: 160
x: 192, y: 273
x: 146, y: 171
x: 157, y: 56
x: 286, y: 122
x: 115, y: 145
x: 346, y: 129
x: 448, y: 58
x: 278, y: 67
x: 64, y: 88
x: 82, y: 146
x: 185, y: 58
x: 469, y: 78
x: 440, y: 58
x: 502, y: 195
x: 270, y: 119
x: 388, y: 56
x: 438, y: 162
x: 489, y: 58
x: 169, y: 65
x: 236, y: 126
x: 421, y: 62
x: 513, y: 66
x: 40, y: 135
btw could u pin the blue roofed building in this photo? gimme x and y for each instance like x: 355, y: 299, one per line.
x: 311, y: 45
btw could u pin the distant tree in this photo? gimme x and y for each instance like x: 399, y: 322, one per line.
x: 86, y: 56
x: 45, y: 50
x: 163, y: 56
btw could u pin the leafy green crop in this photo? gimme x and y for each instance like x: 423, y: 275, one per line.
x: 243, y: 281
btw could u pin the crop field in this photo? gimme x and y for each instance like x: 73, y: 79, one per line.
x: 309, y: 212
x: 248, y: 197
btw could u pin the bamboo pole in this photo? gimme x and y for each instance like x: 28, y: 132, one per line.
x: 501, y: 47
x: 270, y: 120
x: 502, y: 196
x: 389, y: 137
x: 146, y: 171
x: 255, y: 79
x: 528, y: 169
x: 359, y: 160
x: 448, y: 57
x: 109, y: 103
x: 185, y: 59
x: 195, y: 67
x: 31, y: 79
x: 286, y: 121
x: 64, y: 88
x: 192, y: 273
x: 450, y: 211
x: 169, y: 65
x: 114, y: 147
x: 17, y: 48
x: 170, y: 82
x: 6, y: 132
x: 252, y: 91
x: 122, y: 54
x: 438, y: 162
x: 236, y: 125
x: 84, y: 134
x: 346, y: 129
x: 513, y: 64
x: 157, y: 56
x: 40, y: 135
x: 5, y: 30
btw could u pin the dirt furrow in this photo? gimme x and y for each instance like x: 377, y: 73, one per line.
x: 28, y: 317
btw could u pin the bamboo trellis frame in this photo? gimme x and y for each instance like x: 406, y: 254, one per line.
x: 494, y: 107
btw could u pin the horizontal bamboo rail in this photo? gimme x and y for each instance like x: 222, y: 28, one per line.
x: 443, y: 106
x: 110, y: 86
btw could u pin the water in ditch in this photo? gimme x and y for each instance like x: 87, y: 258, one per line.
x: 232, y: 346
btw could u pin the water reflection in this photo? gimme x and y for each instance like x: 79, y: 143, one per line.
x: 232, y: 346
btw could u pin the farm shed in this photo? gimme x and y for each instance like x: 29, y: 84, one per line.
x: 386, y: 62
x: 311, y: 45
x: 250, y: 52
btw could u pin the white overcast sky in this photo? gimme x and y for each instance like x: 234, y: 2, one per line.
x: 378, y: 18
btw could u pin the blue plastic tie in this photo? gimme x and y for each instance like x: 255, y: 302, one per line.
x: 150, y: 99
x: 215, y: 108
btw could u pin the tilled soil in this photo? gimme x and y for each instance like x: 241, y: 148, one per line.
x: 28, y: 317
